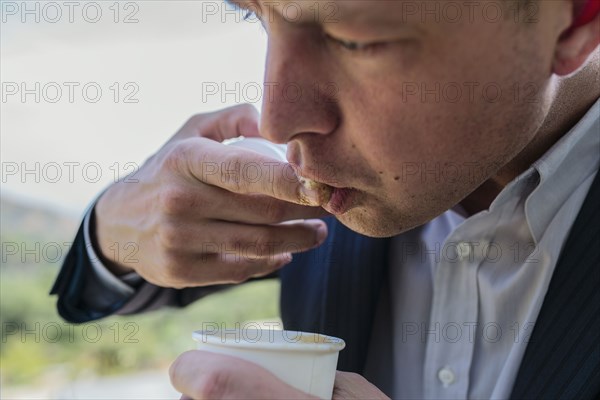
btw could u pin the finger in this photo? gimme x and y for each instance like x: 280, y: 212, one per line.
x: 258, y: 209
x: 350, y: 385
x: 240, y: 120
x: 205, y: 375
x: 197, y: 270
x: 221, y: 204
x: 246, y: 241
x: 196, y: 202
x: 248, y: 268
x: 244, y: 171
x: 262, y: 274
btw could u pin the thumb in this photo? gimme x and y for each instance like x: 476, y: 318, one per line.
x: 248, y: 122
x: 205, y: 375
x: 240, y: 120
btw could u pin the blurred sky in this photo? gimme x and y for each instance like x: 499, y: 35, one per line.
x: 168, y: 57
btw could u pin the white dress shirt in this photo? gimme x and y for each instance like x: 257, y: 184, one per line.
x: 464, y: 294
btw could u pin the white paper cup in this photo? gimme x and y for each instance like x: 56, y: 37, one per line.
x: 261, y: 146
x: 306, y: 361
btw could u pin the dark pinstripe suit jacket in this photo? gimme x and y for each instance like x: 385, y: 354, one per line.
x: 334, y: 290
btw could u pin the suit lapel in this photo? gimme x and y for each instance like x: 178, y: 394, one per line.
x: 334, y: 290
x: 562, y: 359
x: 356, y: 270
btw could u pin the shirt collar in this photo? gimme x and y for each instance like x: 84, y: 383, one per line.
x: 565, y: 166
x: 547, y: 184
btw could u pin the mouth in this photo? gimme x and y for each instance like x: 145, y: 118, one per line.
x: 338, y: 199
x: 341, y: 200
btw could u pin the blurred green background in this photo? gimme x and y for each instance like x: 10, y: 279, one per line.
x: 41, y: 355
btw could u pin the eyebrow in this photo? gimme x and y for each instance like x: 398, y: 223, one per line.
x: 352, y: 16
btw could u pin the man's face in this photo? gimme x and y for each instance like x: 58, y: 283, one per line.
x: 406, y: 107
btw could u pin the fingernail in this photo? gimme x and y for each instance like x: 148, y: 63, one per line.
x: 285, y: 259
x: 321, y: 233
x: 309, y: 197
x: 314, y: 193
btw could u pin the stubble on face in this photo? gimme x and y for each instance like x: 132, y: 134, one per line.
x: 369, y: 135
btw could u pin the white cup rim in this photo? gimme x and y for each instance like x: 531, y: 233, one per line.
x: 326, y: 344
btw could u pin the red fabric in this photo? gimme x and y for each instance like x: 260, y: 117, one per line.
x: 588, y: 12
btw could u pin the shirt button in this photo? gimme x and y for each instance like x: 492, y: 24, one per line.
x: 446, y: 376
x: 464, y: 250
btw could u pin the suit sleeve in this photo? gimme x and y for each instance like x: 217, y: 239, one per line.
x: 87, y: 291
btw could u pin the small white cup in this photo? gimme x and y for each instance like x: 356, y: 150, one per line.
x: 306, y: 361
x: 260, y: 145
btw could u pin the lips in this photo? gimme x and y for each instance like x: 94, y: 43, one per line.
x: 314, y: 179
x: 341, y: 201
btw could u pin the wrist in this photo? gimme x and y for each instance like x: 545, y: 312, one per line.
x: 101, y: 240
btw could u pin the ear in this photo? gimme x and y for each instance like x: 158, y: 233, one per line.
x: 580, y: 39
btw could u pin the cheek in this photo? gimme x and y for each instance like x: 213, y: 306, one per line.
x: 433, y: 134
x: 392, y: 135
x: 483, y: 130
x: 429, y: 156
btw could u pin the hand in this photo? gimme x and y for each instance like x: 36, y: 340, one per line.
x: 204, y: 375
x: 197, y: 220
x: 349, y: 385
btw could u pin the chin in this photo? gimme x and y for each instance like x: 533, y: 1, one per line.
x: 375, y: 217
x: 375, y: 223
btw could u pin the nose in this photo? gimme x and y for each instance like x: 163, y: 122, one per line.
x: 298, y: 97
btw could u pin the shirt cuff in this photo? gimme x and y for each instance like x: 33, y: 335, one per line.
x: 120, y: 285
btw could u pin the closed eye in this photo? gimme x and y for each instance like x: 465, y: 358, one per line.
x: 355, y: 47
